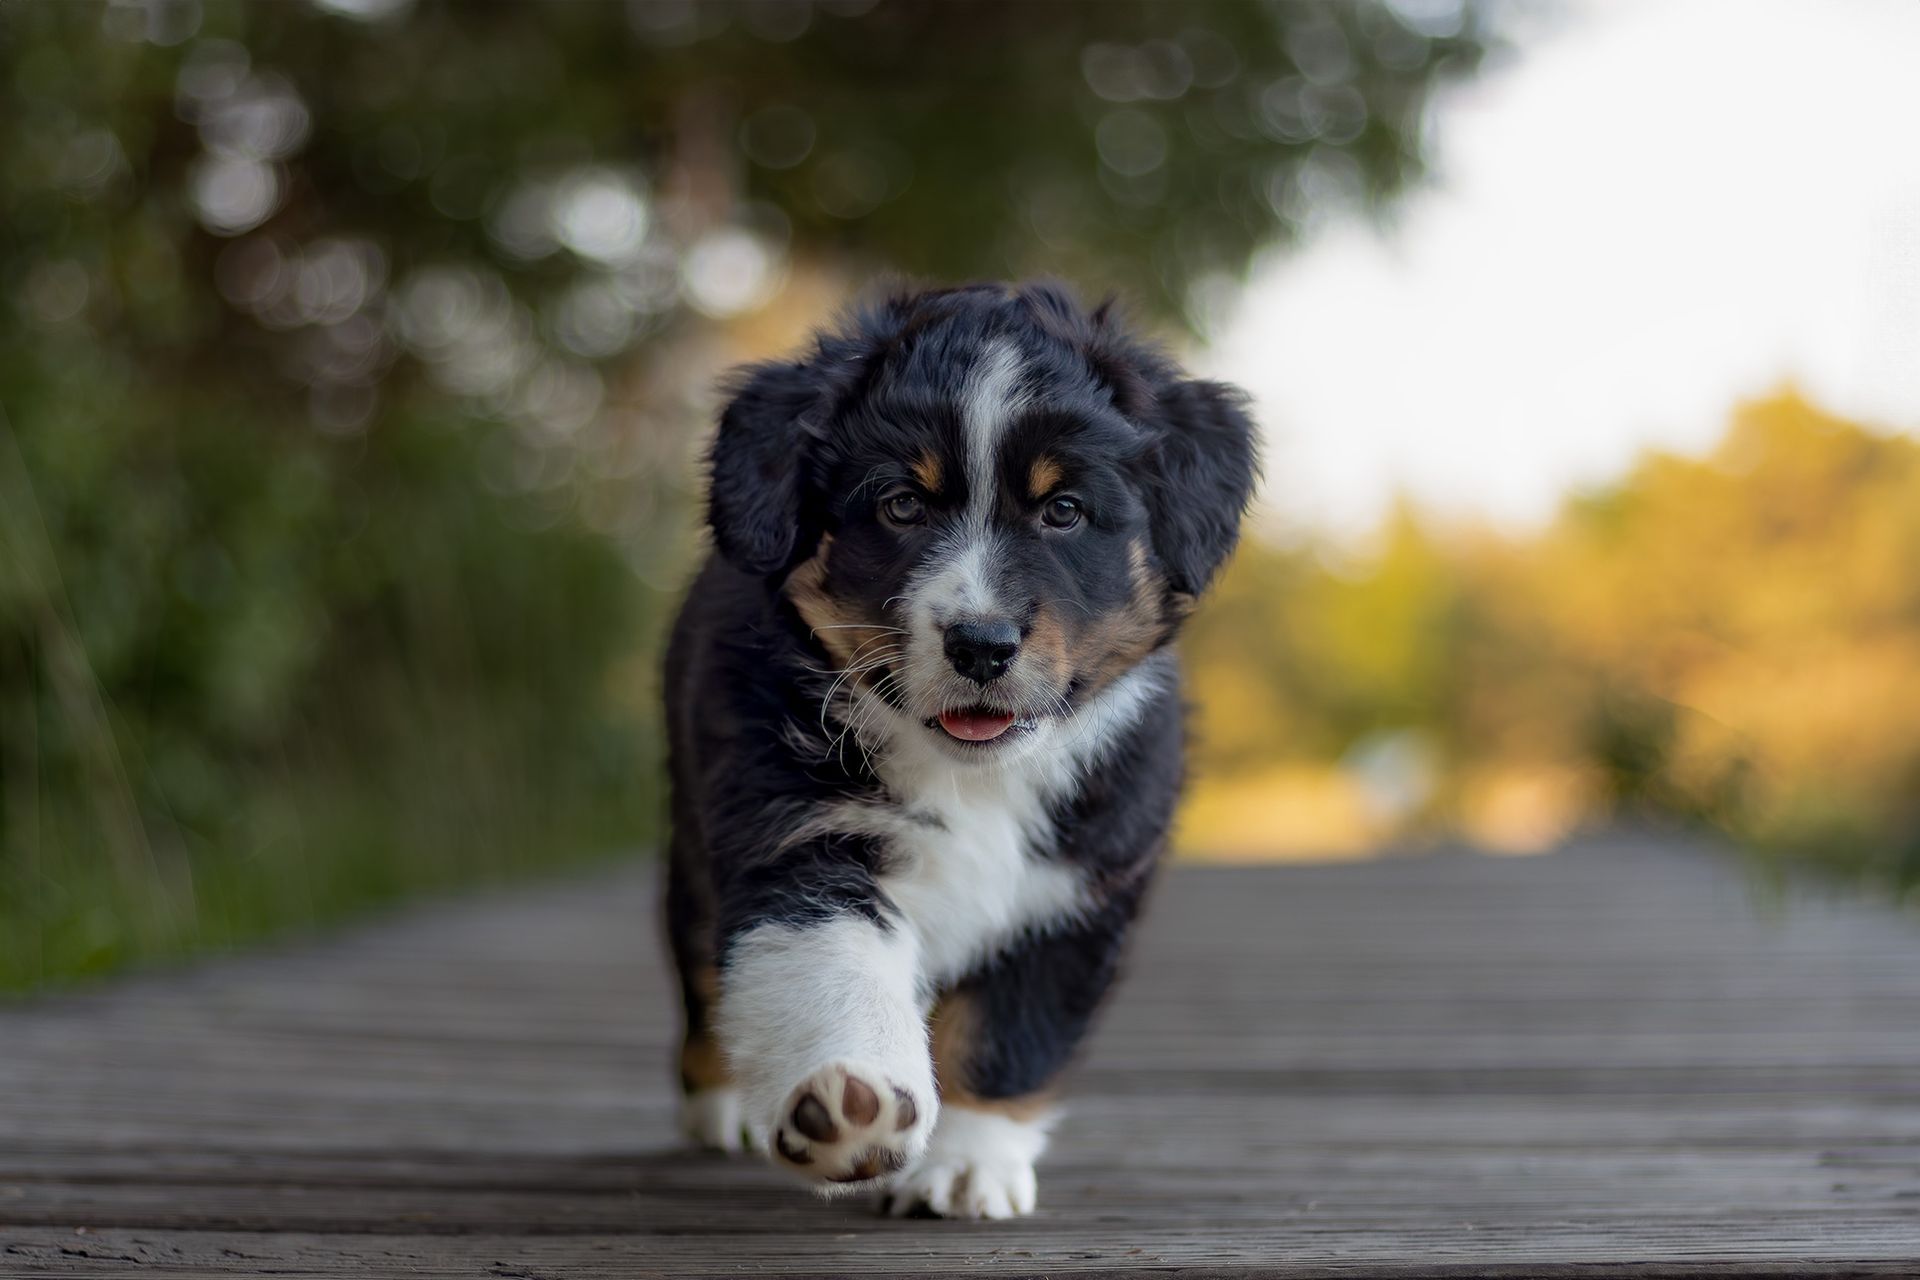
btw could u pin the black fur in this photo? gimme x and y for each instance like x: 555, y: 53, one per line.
x: 754, y: 493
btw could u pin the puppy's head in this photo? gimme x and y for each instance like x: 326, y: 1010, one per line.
x: 986, y: 503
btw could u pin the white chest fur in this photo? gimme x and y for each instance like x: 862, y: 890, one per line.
x: 968, y: 870
x: 970, y: 863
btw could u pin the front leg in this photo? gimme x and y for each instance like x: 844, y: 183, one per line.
x: 1001, y: 1037
x: 826, y: 1036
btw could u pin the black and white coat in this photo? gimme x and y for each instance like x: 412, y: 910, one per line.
x: 926, y: 729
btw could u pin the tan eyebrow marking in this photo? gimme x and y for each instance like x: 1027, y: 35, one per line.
x: 926, y: 469
x: 1044, y: 478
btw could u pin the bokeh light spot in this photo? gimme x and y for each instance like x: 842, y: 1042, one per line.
x: 601, y: 214
x: 234, y: 193
x: 728, y: 272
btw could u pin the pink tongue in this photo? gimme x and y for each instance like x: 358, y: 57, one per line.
x: 975, y: 726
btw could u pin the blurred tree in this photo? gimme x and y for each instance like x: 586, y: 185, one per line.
x: 1733, y: 639
x: 346, y: 387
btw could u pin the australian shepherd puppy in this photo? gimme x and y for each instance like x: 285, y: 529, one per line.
x: 926, y: 728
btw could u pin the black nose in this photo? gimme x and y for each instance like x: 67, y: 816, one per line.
x: 980, y: 651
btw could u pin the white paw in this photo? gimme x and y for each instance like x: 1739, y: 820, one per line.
x: 978, y: 1165
x: 847, y: 1124
x: 715, y: 1119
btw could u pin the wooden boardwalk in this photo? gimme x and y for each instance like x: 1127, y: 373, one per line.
x: 1615, y: 1060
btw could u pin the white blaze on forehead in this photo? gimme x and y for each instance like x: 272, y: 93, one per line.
x: 992, y: 397
x: 957, y: 581
x: 962, y: 584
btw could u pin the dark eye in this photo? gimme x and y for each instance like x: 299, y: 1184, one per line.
x: 903, y: 508
x: 1061, y: 512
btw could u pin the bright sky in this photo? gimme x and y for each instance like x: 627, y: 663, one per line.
x: 1654, y: 209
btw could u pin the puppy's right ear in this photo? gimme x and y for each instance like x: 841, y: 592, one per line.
x: 757, y: 466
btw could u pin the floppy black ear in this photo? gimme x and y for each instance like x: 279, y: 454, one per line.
x: 757, y: 467
x: 1204, y: 469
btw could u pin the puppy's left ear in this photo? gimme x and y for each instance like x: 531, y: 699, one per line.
x: 758, y: 467
x: 1204, y: 467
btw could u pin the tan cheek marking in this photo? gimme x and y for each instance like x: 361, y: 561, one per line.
x: 1147, y: 585
x: 955, y: 1024
x: 845, y: 635
x: 1122, y: 638
x: 1047, y: 642
x: 926, y: 469
x: 806, y: 587
x: 1044, y: 478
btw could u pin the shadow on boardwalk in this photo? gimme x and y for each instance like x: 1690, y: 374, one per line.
x: 1611, y: 1060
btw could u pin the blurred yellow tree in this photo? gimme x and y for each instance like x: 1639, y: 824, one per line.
x: 1733, y: 638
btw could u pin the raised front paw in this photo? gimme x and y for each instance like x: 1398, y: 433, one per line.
x: 847, y: 1124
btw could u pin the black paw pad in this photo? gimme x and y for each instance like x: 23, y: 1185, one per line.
x: 859, y: 1103
x: 810, y: 1117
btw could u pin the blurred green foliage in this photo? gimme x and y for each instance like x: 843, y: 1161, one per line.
x: 248, y: 680
x: 351, y: 353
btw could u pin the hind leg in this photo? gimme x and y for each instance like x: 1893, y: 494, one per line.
x: 1000, y: 1038
x: 710, y: 1108
x: 711, y: 1114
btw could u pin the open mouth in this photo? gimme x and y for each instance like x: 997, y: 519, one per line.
x: 976, y: 724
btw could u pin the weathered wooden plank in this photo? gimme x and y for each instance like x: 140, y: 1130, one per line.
x: 1565, y: 1248
x: 1621, y: 1060
x: 661, y: 1197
